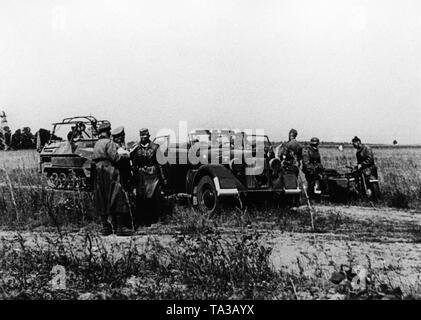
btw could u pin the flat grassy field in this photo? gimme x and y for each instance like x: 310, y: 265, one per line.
x: 399, y: 172
x: 398, y: 168
x: 262, y: 253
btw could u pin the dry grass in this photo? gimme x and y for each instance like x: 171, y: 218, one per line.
x: 224, y: 257
x: 399, y: 174
x: 398, y: 168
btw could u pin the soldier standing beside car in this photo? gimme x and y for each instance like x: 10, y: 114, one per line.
x: 119, y: 137
x: 109, y: 198
x: 124, y: 165
x: 149, y: 179
x: 292, y: 152
x: 312, y: 166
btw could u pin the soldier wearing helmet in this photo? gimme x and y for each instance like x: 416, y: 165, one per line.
x: 110, y: 201
x: 312, y: 166
x: 291, y: 152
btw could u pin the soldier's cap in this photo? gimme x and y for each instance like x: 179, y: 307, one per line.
x: 356, y: 139
x: 117, y: 132
x: 314, y: 141
x: 144, y: 132
x: 294, y: 132
x: 105, y: 126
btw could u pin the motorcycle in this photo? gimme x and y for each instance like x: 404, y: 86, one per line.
x: 355, y: 183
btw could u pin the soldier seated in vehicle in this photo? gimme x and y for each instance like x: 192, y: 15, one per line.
x: 79, y: 129
x: 149, y: 179
x: 312, y: 166
x: 365, y: 159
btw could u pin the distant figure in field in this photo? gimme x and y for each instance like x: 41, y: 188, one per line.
x: 42, y: 136
x: 5, y: 138
x: 395, y: 142
x: 27, y: 139
x: 15, y: 141
x: 23, y: 139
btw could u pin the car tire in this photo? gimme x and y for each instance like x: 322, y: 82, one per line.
x: 207, y: 198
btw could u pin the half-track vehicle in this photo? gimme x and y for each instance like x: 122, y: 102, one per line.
x: 67, y: 156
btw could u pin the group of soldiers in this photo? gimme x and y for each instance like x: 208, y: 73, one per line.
x: 21, y: 139
x: 308, y: 159
x: 121, y: 175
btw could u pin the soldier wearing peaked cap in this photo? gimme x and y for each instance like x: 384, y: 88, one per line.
x: 110, y: 201
x: 150, y: 179
x: 119, y: 136
x: 312, y: 166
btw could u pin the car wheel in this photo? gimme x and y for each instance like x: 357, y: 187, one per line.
x: 207, y: 197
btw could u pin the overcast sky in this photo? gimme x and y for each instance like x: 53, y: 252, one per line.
x: 332, y: 69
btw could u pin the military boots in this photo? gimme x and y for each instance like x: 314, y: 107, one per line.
x: 107, y: 228
x: 122, y: 230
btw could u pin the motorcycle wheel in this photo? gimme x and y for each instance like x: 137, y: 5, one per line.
x: 374, y: 191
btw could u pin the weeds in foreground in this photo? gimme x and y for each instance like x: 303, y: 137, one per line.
x: 191, y: 267
x: 198, y: 267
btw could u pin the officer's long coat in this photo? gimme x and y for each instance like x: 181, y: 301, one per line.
x: 108, y: 193
x: 148, y: 171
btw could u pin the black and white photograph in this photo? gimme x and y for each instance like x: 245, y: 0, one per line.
x: 210, y: 154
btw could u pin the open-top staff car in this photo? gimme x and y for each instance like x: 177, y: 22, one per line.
x: 66, y: 158
x: 212, y: 165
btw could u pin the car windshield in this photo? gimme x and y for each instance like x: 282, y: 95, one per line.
x: 221, y: 139
x: 200, y: 136
x: 73, y: 131
x: 256, y: 140
x: 230, y: 139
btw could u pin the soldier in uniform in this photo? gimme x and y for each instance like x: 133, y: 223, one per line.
x: 365, y: 158
x: 110, y: 202
x: 119, y: 137
x: 149, y: 177
x: 78, y: 131
x: 312, y: 166
x: 291, y: 152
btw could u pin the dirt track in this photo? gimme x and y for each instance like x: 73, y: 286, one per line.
x: 388, y: 239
